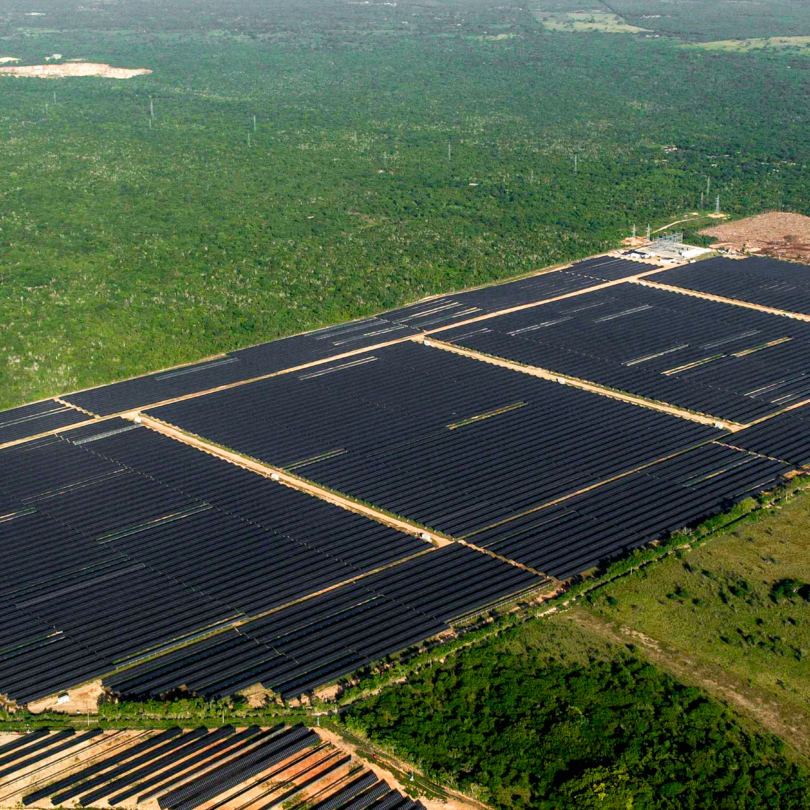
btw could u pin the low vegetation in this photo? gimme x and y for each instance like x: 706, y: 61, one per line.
x: 741, y: 604
x: 796, y: 44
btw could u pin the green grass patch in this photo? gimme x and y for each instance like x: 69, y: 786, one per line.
x: 595, y: 20
x: 740, y: 602
x: 798, y: 44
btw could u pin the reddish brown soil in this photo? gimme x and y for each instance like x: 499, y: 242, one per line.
x: 781, y: 235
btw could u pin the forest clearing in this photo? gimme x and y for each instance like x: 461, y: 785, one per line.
x: 74, y: 69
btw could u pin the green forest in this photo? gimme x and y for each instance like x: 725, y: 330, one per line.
x: 398, y: 150
x: 552, y: 718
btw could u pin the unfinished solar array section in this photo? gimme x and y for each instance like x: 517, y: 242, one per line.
x: 254, y: 768
x: 729, y: 362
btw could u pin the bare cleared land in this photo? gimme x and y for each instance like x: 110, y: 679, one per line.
x: 778, y: 234
x: 74, y: 69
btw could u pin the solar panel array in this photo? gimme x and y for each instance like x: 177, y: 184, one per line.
x: 567, y: 538
x: 278, y: 355
x: 755, y: 280
x: 708, y: 357
x: 610, y: 268
x: 322, y: 343
x: 253, y: 767
x: 133, y: 554
x: 130, y: 511
x: 400, y: 431
x: 785, y: 437
x: 41, y: 417
x: 176, y: 382
x: 448, y: 309
x: 303, y: 646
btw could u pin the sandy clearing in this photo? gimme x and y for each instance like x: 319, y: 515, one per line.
x: 84, y: 699
x: 4, y: 60
x: 778, y: 234
x: 75, y: 69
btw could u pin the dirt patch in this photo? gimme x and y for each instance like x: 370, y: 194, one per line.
x: 76, y: 69
x: 83, y: 699
x: 328, y: 693
x: 781, y: 235
x: 5, y: 60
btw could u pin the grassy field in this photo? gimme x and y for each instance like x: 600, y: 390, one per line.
x: 740, y: 603
x: 594, y: 20
x: 797, y: 44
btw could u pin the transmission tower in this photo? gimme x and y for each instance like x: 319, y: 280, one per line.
x: 717, y: 205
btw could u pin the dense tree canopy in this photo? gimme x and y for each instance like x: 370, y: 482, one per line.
x: 522, y: 728
x: 399, y: 150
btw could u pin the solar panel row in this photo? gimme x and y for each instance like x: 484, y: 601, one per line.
x: 41, y: 417
x: 755, y: 280
x: 785, y: 437
x: 311, y: 643
x: 277, y: 355
x: 708, y: 357
x: 566, y: 538
x: 334, y: 340
x: 465, y: 479
x: 174, y: 382
x: 610, y: 268
x: 445, y: 310
x: 88, y: 528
